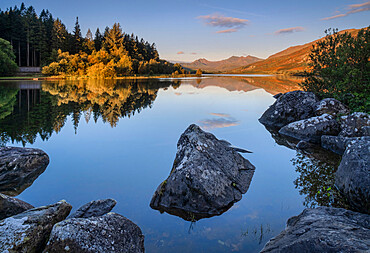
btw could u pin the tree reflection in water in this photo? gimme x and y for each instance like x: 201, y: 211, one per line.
x: 316, y: 168
x: 31, y: 112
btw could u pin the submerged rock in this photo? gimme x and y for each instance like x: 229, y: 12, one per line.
x: 353, y: 175
x: 109, y: 233
x: 11, y: 206
x: 206, y: 179
x: 290, y: 107
x: 19, y: 167
x: 331, y: 106
x: 312, y: 129
x: 355, y: 124
x: 94, y: 208
x: 323, y: 229
x: 29, y: 231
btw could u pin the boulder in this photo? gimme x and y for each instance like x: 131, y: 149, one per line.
x: 338, y: 144
x: 331, y: 106
x: 29, y: 231
x: 355, y: 124
x: 207, y: 177
x: 290, y: 107
x: 109, y: 233
x: 94, y: 208
x: 323, y: 229
x: 11, y: 206
x: 19, y: 167
x: 353, y: 175
x: 311, y: 130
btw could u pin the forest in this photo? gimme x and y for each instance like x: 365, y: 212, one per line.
x: 42, y: 40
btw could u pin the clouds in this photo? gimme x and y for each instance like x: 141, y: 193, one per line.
x: 222, y: 120
x: 180, y: 52
x: 352, y: 8
x: 232, y: 30
x: 220, y: 21
x: 289, y: 30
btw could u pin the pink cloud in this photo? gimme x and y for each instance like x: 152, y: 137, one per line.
x: 232, y: 30
x: 180, y: 52
x: 353, y: 8
x: 218, y: 20
x: 289, y: 30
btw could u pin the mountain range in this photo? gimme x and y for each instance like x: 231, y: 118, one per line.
x: 292, y: 60
x: 223, y: 65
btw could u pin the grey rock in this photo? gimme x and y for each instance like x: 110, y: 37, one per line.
x: 207, y: 177
x: 365, y: 131
x: 355, y: 124
x: 11, y: 206
x: 29, y: 231
x: 323, y: 229
x: 109, y: 233
x: 290, y: 107
x: 276, y: 96
x: 94, y: 208
x: 353, y: 175
x: 312, y: 129
x: 338, y: 144
x: 19, y: 167
x: 331, y: 106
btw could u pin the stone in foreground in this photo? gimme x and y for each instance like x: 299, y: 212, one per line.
x: 290, y: 107
x: 331, y: 106
x: 19, y: 167
x: 207, y: 178
x: 94, y: 208
x: 323, y: 229
x: 11, y: 206
x: 353, y: 175
x: 312, y: 129
x: 109, y: 233
x: 29, y: 231
x: 338, y: 144
x: 355, y: 124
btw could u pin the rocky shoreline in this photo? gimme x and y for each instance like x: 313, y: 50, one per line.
x: 208, y: 176
x: 327, y: 123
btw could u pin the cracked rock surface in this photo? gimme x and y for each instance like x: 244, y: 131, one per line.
x: 207, y: 177
x: 323, y: 229
x: 11, y: 206
x: 29, y: 231
x: 109, y: 233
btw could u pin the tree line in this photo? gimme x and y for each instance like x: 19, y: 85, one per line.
x: 41, y: 40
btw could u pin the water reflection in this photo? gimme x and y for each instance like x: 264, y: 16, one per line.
x: 29, y: 109
x: 316, y: 168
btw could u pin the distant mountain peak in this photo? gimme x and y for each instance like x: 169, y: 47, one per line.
x: 222, y: 65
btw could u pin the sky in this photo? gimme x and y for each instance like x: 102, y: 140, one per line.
x: 211, y: 29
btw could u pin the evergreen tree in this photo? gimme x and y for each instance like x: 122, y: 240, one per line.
x: 77, y: 38
x: 98, y: 40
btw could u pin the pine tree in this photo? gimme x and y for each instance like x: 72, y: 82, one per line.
x: 77, y: 38
x: 98, y: 40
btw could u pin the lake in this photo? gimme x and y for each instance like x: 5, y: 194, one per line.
x: 117, y: 139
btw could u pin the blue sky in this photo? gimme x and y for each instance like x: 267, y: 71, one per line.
x: 212, y: 29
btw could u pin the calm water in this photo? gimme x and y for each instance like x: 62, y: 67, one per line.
x: 117, y: 139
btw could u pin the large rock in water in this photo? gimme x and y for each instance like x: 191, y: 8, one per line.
x: 353, y: 175
x: 94, y: 208
x: 290, y: 107
x: 355, y: 124
x: 109, y: 233
x: 312, y: 129
x: 207, y: 177
x: 11, y: 206
x: 19, y: 167
x: 323, y: 229
x: 331, y: 106
x: 29, y: 231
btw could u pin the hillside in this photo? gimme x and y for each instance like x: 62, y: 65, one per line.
x: 223, y: 65
x: 289, y: 61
